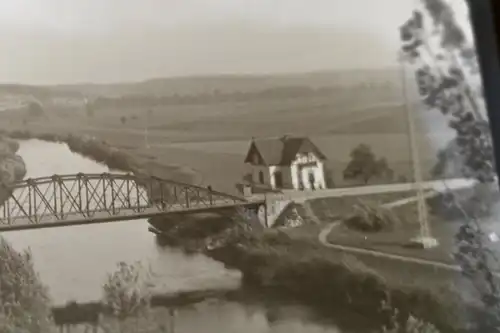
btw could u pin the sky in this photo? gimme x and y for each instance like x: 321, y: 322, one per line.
x: 70, y: 41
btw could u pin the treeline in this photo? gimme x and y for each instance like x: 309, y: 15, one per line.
x: 140, y: 100
x: 43, y: 93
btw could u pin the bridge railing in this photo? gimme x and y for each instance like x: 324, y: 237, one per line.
x: 62, y: 197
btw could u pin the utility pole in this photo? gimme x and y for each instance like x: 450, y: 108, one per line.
x: 425, y: 240
x: 146, y: 141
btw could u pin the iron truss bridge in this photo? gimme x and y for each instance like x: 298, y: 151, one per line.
x: 63, y: 200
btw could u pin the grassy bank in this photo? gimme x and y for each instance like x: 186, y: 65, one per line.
x: 296, y: 264
x: 105, y: 153
x: 310, y: 273
x: 330, y: 209
x: 97, y: 150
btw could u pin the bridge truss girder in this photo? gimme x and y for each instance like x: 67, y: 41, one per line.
x: 83, y: 196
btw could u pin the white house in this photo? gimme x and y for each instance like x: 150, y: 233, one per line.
x: 286, y: 163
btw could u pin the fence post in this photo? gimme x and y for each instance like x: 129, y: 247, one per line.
x: 266, y: 219
x: 209, y: 187
x: 186, y: 193
x: 172, y: 320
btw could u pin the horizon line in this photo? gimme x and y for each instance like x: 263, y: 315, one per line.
x: 200, y: 76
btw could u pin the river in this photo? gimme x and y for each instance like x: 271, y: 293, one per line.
x: 74, y: 261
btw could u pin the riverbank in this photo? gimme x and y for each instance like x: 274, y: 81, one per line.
x: 105, y: 153
x: 296, y: 264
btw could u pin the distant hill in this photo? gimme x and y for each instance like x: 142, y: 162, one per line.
x: 209, y: 84
x: 232, y: 83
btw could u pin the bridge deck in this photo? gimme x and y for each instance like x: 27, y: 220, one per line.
x: 97, y: 198
x: 74, y: 219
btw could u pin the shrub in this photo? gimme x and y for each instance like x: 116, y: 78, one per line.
x: 478, y: 201
x: 24, y: 300
x: 372, y: 218
x: 410, y: 325
x: 35, y: 109
x: 126, y: 296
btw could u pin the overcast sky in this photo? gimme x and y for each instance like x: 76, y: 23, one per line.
x: 63, y: 41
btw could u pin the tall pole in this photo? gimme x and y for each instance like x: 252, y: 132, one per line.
x: 146, y: 141
x: 423, y: 218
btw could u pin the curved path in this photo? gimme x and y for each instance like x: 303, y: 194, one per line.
x: 323, y: 239
x: 323, y: 235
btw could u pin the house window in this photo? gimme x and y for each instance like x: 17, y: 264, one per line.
x: 278, y: 179
x: 261, y: 177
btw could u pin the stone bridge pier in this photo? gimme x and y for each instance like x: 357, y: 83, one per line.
x: 266, y: 211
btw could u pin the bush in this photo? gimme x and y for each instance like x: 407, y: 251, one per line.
x: 410, y: 325
x: 126, y: 296
x: 101, y: 152
x: 24, y: 300
x: 35, y: 110
x: 372, y: 218
x: 478, y: 201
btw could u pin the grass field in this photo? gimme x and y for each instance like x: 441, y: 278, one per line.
x: 210, y: 141
x: 396, y: 241
x: 334, y: 208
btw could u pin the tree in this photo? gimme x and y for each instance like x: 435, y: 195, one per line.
x: 449, y: 163
x: 365, y: 166
x: 35, y: 109
x: 126, y: 295
x: 443, y: 77
x: 24, y: 300
x: 446, y: 71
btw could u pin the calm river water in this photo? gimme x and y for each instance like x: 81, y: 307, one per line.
x: 73, y: 262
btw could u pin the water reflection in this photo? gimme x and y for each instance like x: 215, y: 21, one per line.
x: 81, y: 256
x: 231, y: 317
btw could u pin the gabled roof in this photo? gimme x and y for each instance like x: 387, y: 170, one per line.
x: 282, y: 151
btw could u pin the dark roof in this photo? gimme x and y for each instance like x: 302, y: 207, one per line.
x: 282, y: 151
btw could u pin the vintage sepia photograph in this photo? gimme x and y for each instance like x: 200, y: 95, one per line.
x: 233, y: 166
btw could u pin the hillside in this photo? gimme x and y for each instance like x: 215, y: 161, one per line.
x: 209, y: 84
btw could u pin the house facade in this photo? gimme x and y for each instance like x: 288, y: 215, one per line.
x: 286, y: 163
